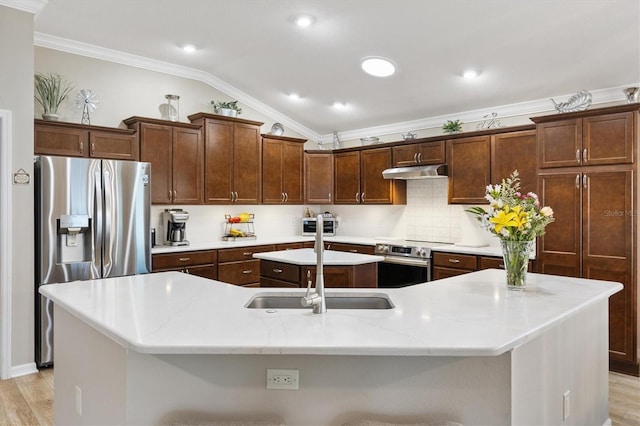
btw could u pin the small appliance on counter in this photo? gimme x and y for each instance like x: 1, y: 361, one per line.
x: 175, y: 223
x: 329, y: 225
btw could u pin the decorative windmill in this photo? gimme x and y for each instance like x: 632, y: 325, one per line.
x: 88, y: 101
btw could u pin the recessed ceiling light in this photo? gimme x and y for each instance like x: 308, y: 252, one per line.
x: 378, y: 67
x: 294, y: 96
x: 189, y: 48
x: 339, y: 105
x: 470, y: 74
x: 304, y: 21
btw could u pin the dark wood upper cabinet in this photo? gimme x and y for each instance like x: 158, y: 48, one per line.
x: 79, y: 140
x: 417, y: 154
x: 318, y: 178
x: 469, y: 161
x: 515, y: 151
x: 233, y: 159
x: 175, y: 151
x: 282, y: 170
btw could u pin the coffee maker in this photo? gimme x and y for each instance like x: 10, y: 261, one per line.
x: 175, y: 222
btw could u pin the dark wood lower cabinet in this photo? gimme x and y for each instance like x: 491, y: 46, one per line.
x: 278, y: 274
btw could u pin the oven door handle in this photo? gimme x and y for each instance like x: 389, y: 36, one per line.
x: 424, y: 263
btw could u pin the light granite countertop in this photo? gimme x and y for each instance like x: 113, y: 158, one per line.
x: 467, y: 315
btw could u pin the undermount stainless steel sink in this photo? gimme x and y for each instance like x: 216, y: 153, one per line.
x: 334, y: 301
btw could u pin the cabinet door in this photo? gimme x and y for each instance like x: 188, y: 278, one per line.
x: 293, y: 172
x: 351, y: 248
x: 334, y: 276
x: 376, y: 189
x: 469, y: 169
x: 432, y: 153
x: 559, y: 248
x: 247, y: 164
x: 559, y: 143
x: 218, y: 166
x: 187, y: 154
x: 113, y: 146
x: 156, y: 148
x: 608, y: 139
x: 405, y: 155
x: 50, y: 140
x: 515, y: 151
x: 272, y: 171
x: 607, y: 250
x: 318, y: 181
x: 240, y: 273
x: 210, y: 272
x: 346, y: 178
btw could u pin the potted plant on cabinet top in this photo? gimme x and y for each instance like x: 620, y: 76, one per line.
x: 227, y: 108
x: 50, y: 91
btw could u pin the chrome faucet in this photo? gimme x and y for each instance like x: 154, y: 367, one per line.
x: 317, y: 299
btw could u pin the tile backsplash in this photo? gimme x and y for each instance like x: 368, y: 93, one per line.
x: 430, y: 218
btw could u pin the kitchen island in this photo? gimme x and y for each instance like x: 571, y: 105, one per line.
x: 170, y: 348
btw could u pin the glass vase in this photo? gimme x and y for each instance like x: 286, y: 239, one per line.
x: 516, y: 261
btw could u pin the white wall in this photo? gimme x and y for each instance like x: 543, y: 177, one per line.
x: 16, y: 95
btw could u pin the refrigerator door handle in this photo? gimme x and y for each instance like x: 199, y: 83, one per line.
x: 97, y: 226
x: 108, y: 207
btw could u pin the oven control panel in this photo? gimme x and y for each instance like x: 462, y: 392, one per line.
x: 402, y: 250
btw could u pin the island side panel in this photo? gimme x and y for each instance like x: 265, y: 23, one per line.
x: 174, y: 389
x: 572, y: 356
x: 96, y: 365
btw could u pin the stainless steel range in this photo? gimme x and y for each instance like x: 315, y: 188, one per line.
x: 406, y: 262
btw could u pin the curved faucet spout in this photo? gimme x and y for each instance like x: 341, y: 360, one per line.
x: 317, y: 298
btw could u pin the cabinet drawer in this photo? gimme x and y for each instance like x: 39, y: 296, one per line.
x: 270, y: 282
x: 289, y: 246
x: 242, y: 253
x: 440, y: 273
x: 240, y: 273
x: 351, y: 248
x: 182, y: 259
x: 452, y: 260
x: 280, y: 271
x: 496, y: 263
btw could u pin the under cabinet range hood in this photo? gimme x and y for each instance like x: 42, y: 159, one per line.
x: 416, y: 172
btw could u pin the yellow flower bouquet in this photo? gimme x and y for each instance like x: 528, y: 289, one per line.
x: 517, y: 219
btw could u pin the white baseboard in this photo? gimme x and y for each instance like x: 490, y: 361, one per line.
x: 24, y: 369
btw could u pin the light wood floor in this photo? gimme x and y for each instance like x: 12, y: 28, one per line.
x: 28, y: 400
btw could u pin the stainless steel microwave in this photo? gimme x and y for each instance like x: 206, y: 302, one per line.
x: 329, y: 226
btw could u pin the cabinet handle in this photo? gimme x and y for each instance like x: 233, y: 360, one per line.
x: 584, y: 155
x: 415, y: 157
x: 231, y: 196
x: 185, y: 259
x: 282, y: 197
x: 93, y: 147
x: 277, y: 271
x: 236, y: 196
x: 419, y: 157
x: 353, y: 250
x: 362, y: 197
x: 247, y: 253
x: 247, y: 271
x: 454, y: 261
x: 578, y: 156
x: 174, y: 195
x: 357, y: 197
x: 286, y: 197
x: 81, y: 147
x: 187, y: 271
x: 328, y: 246
x: 577, y: 181
x: 169, y: 195
x: 584, y: 181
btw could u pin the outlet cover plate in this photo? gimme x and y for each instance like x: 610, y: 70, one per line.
x: 283, y: 379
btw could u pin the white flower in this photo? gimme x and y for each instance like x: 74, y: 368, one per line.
x: 546, y: 211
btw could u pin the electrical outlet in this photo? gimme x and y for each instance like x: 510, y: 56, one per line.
x: 78, y: 400
x: 565, y: 405
x: 282, y: 379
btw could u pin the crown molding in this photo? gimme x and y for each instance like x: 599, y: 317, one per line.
x: 110, y: 55
x: 31, y: 6
x: 530, y: 108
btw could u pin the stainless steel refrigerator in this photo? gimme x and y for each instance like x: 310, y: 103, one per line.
x: 92, y: 221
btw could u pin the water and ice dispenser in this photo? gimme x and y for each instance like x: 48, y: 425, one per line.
x: 74, y: 238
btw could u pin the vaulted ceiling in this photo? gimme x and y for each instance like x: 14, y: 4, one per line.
x: 524, y: 51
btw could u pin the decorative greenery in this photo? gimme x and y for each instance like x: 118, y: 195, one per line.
x: 511, y: 215
x: 226, y: 105
x: 452, y: 126
x: 50, y: 91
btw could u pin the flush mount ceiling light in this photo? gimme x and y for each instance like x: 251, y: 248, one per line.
x: 470, y: 74
x: 339, y: 105
x: 377, y: 66
x: 294, y: 96
x: 304, y: 21
x: 188, y: 48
